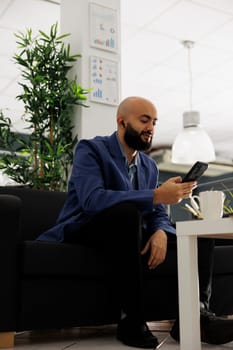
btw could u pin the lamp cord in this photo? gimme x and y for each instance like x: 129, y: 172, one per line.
x: 188, y: 44
x: 190, y: 79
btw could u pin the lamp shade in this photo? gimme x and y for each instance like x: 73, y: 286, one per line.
x: 192, y: 143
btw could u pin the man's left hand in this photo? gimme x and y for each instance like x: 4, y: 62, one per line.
x: 157, y: 244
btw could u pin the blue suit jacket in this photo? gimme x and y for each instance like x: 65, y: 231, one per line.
x: 100, y: 179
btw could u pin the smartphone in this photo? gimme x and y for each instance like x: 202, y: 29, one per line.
x: 195, y: 172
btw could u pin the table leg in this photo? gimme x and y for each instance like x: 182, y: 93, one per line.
x: 189, y: 304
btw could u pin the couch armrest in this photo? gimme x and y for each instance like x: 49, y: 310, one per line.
x: 10, y: 209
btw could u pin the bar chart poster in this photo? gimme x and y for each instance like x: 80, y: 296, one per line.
x: 103, y: 27
x: 104, y: 80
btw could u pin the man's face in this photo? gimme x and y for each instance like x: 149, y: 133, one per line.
x: 140, y: 141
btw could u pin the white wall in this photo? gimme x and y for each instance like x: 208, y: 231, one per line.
x: 99, y: 118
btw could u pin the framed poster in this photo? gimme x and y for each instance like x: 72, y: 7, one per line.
x: 103, y: 27
x: 104, y: 80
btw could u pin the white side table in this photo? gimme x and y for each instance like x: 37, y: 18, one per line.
x: 189, y: 308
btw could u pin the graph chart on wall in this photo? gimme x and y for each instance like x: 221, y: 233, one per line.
x: 103, y: 27
x: 104, y: 80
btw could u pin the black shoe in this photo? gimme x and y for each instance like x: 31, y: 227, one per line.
x: 214, y: 329
x: 136, y: 334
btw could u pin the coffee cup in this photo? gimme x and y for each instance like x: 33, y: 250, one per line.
x: 209, y: 204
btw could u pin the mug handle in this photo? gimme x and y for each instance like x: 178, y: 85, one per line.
x: 194, y: 199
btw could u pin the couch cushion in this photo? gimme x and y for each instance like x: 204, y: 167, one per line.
x: 52, y: 258
x: 39, y: 210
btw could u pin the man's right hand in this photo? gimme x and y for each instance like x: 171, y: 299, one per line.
x: 173, y: 191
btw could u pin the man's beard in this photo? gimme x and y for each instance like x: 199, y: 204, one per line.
x: 133, y: 139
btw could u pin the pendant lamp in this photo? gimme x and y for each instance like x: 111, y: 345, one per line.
x: 192, y: 143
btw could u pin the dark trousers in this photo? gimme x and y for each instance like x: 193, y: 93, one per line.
x: 119, y: 233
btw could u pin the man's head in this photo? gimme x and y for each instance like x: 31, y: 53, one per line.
x: 136, y: 118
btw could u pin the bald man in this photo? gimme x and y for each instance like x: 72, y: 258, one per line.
x: 115, y: 204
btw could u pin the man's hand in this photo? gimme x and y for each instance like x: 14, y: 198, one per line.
x: 173, y: 191
x: 157, y: 245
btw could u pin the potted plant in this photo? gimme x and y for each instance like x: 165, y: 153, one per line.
x: 42, y: 160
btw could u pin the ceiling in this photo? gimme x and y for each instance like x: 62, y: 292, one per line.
x: 154, y: 61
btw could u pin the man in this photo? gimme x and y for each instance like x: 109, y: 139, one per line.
x: 114, y: 203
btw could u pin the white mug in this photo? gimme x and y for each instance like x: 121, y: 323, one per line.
x: 209, y: 203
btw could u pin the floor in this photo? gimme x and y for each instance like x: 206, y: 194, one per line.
x: 98, y: 338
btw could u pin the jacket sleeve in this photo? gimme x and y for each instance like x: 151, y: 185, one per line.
x: 159, y: 219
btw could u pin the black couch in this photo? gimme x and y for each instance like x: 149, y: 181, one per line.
x: 47, y: 285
